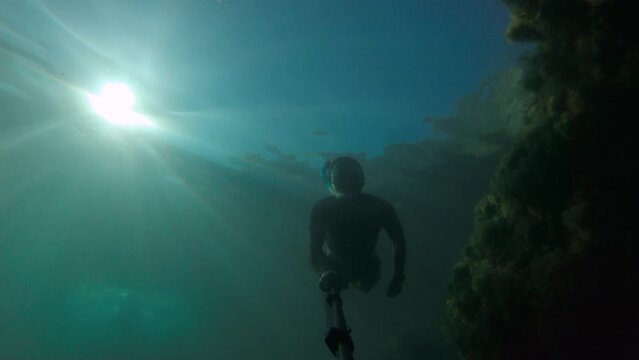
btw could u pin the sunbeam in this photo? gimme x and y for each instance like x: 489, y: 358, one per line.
x: 115, y: 105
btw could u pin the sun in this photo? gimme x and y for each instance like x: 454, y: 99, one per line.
x: 115, y: 104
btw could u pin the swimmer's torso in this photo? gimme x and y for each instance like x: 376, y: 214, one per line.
x: 350, y: 226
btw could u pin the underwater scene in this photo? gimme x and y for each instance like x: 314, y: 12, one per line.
x: 280, y: 179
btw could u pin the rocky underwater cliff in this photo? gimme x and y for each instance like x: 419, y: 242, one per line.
x: 551, y: 268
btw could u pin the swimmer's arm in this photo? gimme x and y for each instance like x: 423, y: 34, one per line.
x: 317, y: 232
x: 393, y: 228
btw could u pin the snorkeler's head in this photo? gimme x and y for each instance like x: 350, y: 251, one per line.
x: 343, y: 175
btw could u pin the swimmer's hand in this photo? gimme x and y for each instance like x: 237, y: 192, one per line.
x: 395, y: 286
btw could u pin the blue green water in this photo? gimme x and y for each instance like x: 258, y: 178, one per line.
x: 188, y: 238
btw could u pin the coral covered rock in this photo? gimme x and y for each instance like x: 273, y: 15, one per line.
x: 551, y: 268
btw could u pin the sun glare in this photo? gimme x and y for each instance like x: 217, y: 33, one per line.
x: 115, y: 104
